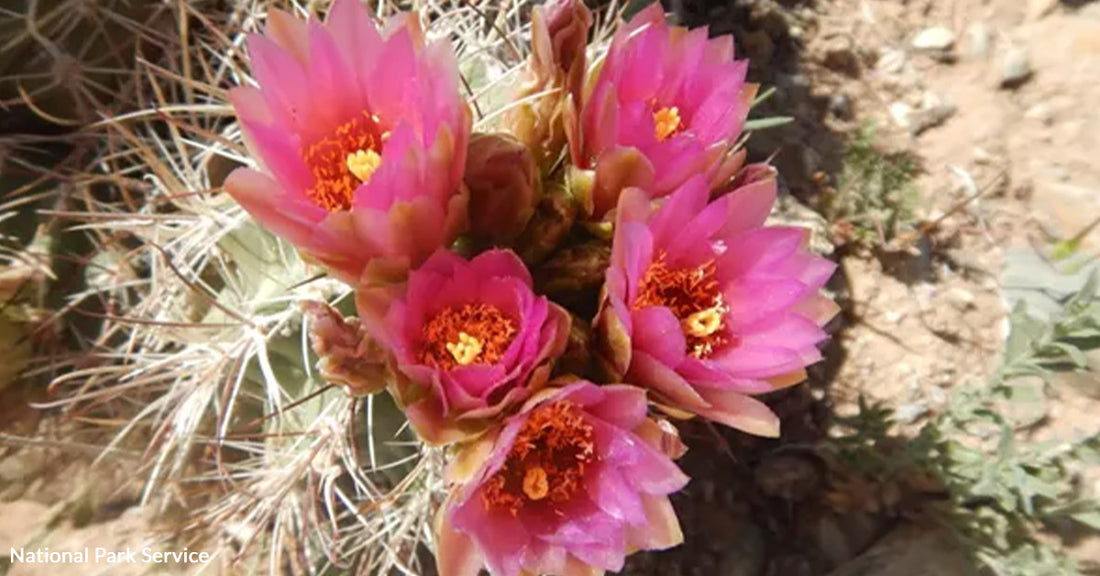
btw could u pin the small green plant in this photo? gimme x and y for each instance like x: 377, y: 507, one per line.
x: 874, y: 198
x: 1000, y: 494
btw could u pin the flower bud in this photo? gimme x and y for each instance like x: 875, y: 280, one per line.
x: 348, y: 356
x: 555, y: 70
x: 503, y: 181
x: 553, y: 218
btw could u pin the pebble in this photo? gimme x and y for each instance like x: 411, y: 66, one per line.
x: 841, y: 106
x: 909, y: 413
x: 1041, y: 112
x: 979, y: 40
x: 902, y: 114
x: 841, y: 56
x: 891, y: 61
x: 931, y: 117
x: 936, y: 38
x: 961, y: 298
x: 1015, y: 67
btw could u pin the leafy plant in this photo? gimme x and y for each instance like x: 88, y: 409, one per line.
x: 874, y: 197
x: 1001, y: 494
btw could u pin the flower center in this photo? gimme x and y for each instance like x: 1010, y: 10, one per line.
x: 473, y: 334
x: 547, y: 460
x: 694, y: 297
x: 343, y: 160
x: 666, y: 123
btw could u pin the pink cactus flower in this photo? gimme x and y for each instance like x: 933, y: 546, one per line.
x: 667, y: 104
x: 362, y: 140
x: 470, y: 339
x: 705, y: 306
x: 567, y: 487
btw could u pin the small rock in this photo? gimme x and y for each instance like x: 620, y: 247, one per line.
x: 1015, y: 67
x: 902, y: 114
x: 979, y: 39
x: 841, y: 106
x: 931, y: 117
x: 1036, y: 9
x: 961, y: 298
x: 1041, y: 112
x: 891, y: 61
x: 936, y: 395
x: 934, y: 39
x: 909, y: 413
x: 840, y: 56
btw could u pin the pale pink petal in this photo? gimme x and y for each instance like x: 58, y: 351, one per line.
x: 261, y: 196
x: 740, y: 412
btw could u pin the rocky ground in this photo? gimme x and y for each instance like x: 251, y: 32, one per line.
x: 993, y: 100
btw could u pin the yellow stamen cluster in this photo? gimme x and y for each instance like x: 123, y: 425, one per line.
x: 666, y: 123
x: 466, y: 350
x: 547, y: 462
x: 694, y: 297
x: 363, y: 163
x: 472, y: 334
x: 343, y: 160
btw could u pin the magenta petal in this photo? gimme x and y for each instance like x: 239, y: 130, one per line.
x: 501, y: 538
x: 758, y: 361
x: 751, y: 301
x: 608, y: 556
x: 250, y: 105
x: 634, y: 249
x: 260, y: 195
x: 356, y: 36
x: 757, y: 249
x: 280, y: 154
x: 749, y: 206
x: 648, y: 371
x: 701, y: 373
x: 650, y: 472
x: 609, y: 490
x: 622, y: 405
x: 680, y: 207
x: 657, y: 332
x: 542, y: 558
x: 502, y: 263
x: 328, y: 74
x: 791, y: 331
x: 281, y: 78
x: 397, y: 83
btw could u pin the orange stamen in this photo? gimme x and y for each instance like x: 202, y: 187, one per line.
x: 547, y: 460
x: 666, y: 123
x: 343, y: 160
x: 474, y: 334
x: 694, y: 297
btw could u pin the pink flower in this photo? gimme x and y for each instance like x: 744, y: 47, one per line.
x: 705, y: 306
x: 362, y: 138
x: 569, y: 487
x: 667, y: 104
x: 470, y: 339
